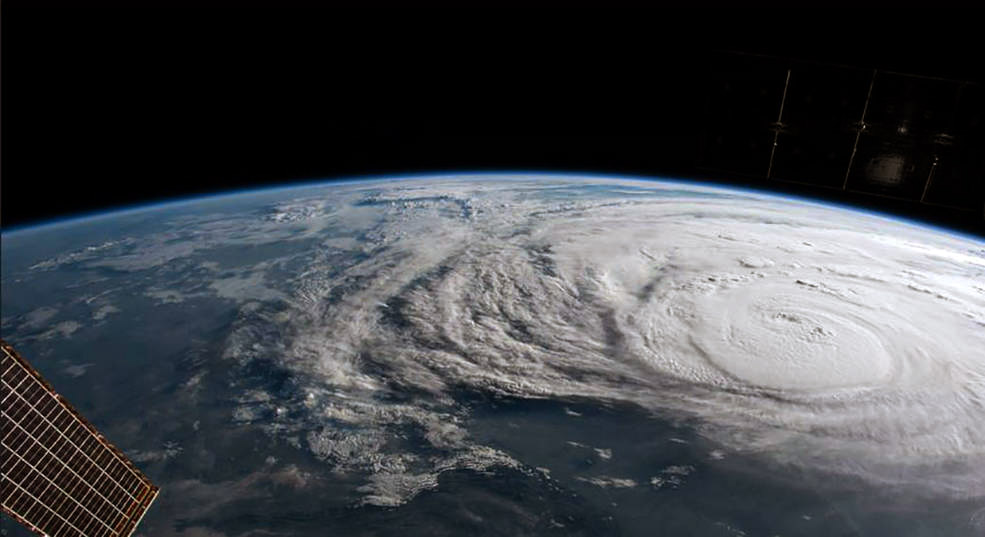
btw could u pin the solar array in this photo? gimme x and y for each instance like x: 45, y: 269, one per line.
x: 60, y: 477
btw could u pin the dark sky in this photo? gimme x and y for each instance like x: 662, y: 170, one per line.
x: 102, y: 108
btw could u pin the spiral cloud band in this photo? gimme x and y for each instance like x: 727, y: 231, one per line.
x: 816, y: 336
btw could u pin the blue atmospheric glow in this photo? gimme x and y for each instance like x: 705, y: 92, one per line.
x: 464, y: 175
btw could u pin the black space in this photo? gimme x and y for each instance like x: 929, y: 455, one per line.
x: 103, y: 108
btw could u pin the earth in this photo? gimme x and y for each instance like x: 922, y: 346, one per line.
x: 518, y: 355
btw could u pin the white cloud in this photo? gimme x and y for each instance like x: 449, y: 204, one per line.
x: 609, y: 482
x: 104, y: 311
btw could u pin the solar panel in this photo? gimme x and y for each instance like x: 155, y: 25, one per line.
x: 60, y: 477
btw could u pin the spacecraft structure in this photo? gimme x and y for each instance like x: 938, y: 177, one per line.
x: 60, y: 476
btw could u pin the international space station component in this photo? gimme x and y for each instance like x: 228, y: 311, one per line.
x: 60, y: 477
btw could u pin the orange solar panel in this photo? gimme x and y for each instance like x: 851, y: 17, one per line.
x: 60, y: 477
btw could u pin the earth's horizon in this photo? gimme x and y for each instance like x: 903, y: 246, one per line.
x: 518, y: 354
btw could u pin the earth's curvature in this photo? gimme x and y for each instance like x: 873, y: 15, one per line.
x: 519, y: 355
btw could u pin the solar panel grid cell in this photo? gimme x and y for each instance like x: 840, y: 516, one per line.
x: 60, y: 476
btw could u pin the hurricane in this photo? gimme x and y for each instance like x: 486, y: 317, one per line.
x: 801, y: 333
